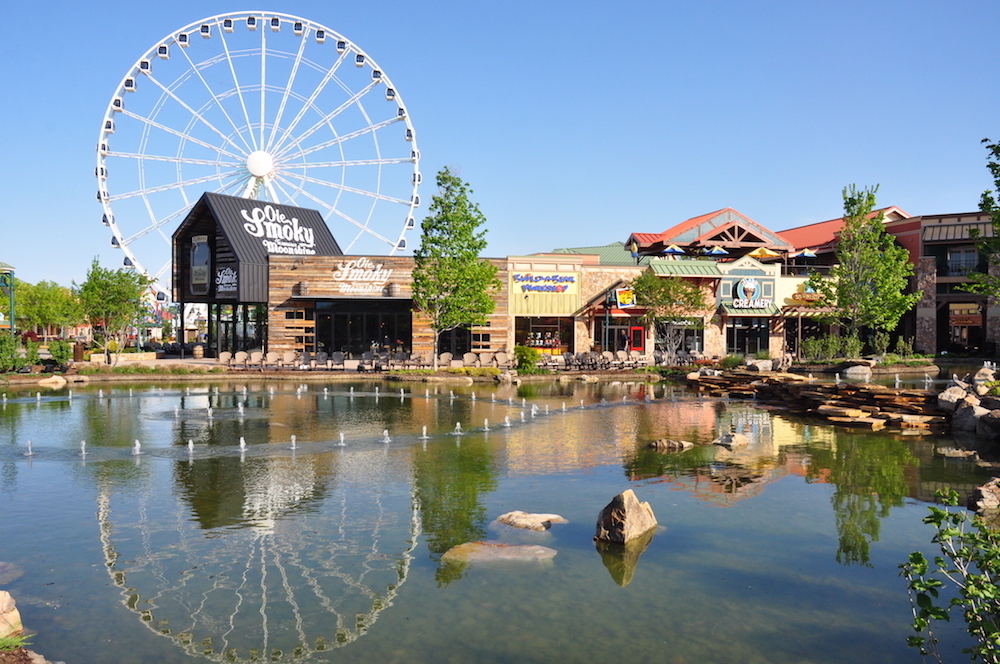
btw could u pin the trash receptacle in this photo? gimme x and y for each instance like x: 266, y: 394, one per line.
x: 198, y: 352
x: 78, y: 349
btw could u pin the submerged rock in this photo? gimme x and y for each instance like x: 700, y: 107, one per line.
x: 10, y: 617
x: 732, y: 440
x: 624, y: 519
x: 669, y: 445
x: 519, y: 519
x: 487, y: 551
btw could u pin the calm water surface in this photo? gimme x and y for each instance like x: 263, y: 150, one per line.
x: 786, y: 551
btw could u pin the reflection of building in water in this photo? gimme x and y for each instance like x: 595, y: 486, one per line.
x: 308, y: 564
x: 725, y: 476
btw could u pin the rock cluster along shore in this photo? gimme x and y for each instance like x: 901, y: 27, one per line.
x: 970, y: 405
x: 858, y: 405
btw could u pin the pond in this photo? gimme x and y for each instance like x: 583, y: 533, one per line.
x: 320, y: 537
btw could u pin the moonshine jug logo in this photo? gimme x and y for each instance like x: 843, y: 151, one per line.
x: 279, y: 233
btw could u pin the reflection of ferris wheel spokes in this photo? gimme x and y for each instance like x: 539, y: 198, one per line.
x: 274, y: 116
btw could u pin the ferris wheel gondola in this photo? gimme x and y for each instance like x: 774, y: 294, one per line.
x: 273, y: 114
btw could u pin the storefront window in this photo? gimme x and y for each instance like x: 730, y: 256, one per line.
x: 747, y: 336
x: 553, y: 335
x: 358, y: 326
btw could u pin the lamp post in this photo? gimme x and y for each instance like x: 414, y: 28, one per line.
x: 7, y: 287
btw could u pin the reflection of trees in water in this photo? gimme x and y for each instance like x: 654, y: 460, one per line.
x: 449, y: 480
x: 869, y: 473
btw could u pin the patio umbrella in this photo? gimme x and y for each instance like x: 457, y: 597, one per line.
x: 717, y: 251
x: 805, y: 253
x: 673, y: 250
x: 763, y: 252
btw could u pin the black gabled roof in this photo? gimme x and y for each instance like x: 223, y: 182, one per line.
x: 256, y: 229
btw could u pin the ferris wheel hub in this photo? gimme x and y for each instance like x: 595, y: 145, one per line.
x: 260, y: 164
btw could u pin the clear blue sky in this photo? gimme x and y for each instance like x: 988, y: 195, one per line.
x: 575, y: 123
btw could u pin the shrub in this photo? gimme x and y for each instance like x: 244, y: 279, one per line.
x: 970, y: 558
x: 904, y: 347
x: 829, y: 347
x: 851, y: 346
x: 891, y: 358
x: 731, y: 361
x: 31, y: 353
x: 812, y: 349
x: 763, y: 355
x: 473, y: 371
x: 880, y: 342
x: 527, y: 360
x: 61, y: 351
x: 9, y: 359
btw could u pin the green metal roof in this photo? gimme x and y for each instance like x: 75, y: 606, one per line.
x: 610, y: 254
x: 730, y: 310
x: 682, y: 268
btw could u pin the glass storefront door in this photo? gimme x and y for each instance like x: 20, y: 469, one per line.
x: 358, y: 326
x: 747, y: 336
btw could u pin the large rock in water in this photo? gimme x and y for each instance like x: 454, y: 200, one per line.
x: 624, y: 519
x: 519, y: 519
x: 622, y: 559
x: 966, y: 417
x: 988, y: 426
x: 10, y: 618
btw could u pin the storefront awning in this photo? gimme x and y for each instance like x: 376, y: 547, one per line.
x: 730, y: 310
x: 802, y: 311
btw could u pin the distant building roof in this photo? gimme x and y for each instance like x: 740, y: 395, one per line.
x: 824, y: 233
x: 609, y: 254
x: 726, y: 228
x: 672, y: 268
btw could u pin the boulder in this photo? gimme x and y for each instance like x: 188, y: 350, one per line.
x: 519, y: 519
x: 54, y: 382
x: 668, y: 445
x: 948, y: 400
x: 966, y: 416
x: 986, y: 497
x: 858, y: 372
x: 989, y: 403
x: 487, y: 551
x: 10, y: 618
x: 760, y: 365
x: 624, y: 519
x: 988, y: 426
x: 985, y: 375
x: 732, y: 440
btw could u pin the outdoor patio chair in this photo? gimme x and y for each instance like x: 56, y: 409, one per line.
x: 486, y: 360
x: 240, y: 360
x: 271, y: 360
x: 225, y: 358
x: 367, y: 362
x: 444, y: 360
x: 399, y: 360
x: 503, y: 361
x: 569, y: 361
x: 304, y: 360
x: 610, y: 360
x: 288, y: 359
x: 625, y: 359
x: 470, y: 360
x: 336, y: 360
x: 320, y: 361
x: 256, y: 360
x: 639, y: 359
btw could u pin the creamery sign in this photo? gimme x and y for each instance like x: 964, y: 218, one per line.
x: 361, y: 276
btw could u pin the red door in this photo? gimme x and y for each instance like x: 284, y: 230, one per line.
x: 637, y: 339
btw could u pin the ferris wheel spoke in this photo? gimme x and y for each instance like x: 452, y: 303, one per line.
x: 176, y: 160
x: 353, y: 190
x: 181, y: 135
x: 196, y: 114
x: 236, y: 85
x: 308, y: 103
x: 363, y: 228
x: 174, y: 185
x: 351, y: 162
x: 263, y: 84
x: 339, y: 139
x: 159, y: 223
x: 288, y: 89
x: 215, y: 99
x: 325, y: 120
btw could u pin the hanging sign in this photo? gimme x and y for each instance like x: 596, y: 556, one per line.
x: 226, y: 280
x: 625, y: 297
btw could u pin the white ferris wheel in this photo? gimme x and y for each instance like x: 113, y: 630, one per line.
x: 259, y: 105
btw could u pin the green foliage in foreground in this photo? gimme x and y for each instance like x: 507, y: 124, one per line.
x: 14, y: 642
x: 527, y: 359
x: 969, y: 565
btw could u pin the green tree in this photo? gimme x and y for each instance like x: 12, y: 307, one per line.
x: 988, y: 245
x: 113, y: 302
x: 866, y: 286
x: 46, y: 305
x: 452, y: 286
x: 666, y: 301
